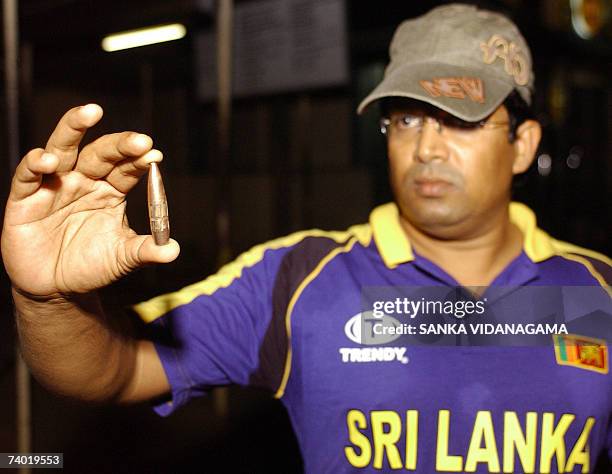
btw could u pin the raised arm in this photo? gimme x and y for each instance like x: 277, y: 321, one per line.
x: 66, y: 235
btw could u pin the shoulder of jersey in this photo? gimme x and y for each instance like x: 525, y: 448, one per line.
x: 597, y: 263
x: 311, y: 243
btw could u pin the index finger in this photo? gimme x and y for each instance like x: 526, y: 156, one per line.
x: 65, y: 139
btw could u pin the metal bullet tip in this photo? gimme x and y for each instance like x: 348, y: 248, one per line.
x: 158, y: 206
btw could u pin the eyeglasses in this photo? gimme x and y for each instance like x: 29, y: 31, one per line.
x: 408, y: 124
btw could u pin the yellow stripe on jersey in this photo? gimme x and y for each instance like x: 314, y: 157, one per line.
x: 324, y: 261
x: 160, y: 305
x: 565, y: 248
x: 591, y: 269
x: 577, y: 254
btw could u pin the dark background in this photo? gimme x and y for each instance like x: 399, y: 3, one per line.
x: 298, y: 160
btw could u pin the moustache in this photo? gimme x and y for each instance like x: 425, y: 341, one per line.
x: 435, y: 172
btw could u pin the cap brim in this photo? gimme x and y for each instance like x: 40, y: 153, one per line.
x: 474, y: 104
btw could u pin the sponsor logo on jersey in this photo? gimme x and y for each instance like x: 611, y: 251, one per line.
x: 581, y: 352
x: 360, y: 329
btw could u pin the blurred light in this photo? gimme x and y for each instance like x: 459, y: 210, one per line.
x: 558, y: 95
x: 544, y: 164
x: 587, y: 17
x: 573, y: 161
x: 143, y: 37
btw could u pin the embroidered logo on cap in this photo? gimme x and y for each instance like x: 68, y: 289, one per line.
x: 456, y: 87
x: 515, y: 63
x: 581, y: 352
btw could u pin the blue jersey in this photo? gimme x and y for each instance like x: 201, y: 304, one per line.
x: 280, y: 316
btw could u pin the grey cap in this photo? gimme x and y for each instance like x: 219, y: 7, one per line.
x: 458, y: 58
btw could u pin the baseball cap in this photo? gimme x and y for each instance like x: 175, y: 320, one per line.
x: 459, y: 58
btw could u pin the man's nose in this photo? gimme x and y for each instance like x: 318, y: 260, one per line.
x: 431, y: 143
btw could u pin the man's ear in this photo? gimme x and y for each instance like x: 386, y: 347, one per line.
x: 528, y: 137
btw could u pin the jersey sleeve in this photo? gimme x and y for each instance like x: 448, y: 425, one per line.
x: 212, y: 331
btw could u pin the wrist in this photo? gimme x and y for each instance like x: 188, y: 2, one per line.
x: 28, y: 302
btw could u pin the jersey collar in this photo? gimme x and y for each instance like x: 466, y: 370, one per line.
x: 395, y: 248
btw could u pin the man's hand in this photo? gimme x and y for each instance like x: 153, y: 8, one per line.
x: 65, y: 228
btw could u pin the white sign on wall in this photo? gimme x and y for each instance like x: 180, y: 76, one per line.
x: 279, y: 46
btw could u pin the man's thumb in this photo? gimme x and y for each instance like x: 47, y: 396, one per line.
x: 143, y: 250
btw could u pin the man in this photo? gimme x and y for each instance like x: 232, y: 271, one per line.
x: 282, y: 315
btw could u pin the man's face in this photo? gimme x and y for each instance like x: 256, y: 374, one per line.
x: 449, y: 180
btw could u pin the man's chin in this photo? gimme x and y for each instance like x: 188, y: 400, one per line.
x: 434, y: 217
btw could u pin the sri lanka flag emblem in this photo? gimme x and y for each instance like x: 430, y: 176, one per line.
x: 581, y: 352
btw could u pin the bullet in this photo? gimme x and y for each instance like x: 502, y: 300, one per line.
x: 158, y: 206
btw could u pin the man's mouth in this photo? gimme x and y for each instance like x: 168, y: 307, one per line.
x: 432, y: 186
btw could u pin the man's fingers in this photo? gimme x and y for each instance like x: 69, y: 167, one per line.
x: 127, y: 173
x: 141, y: 250
x: 65, y: 139
x: 30, y: 171
x: 98, y: 159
